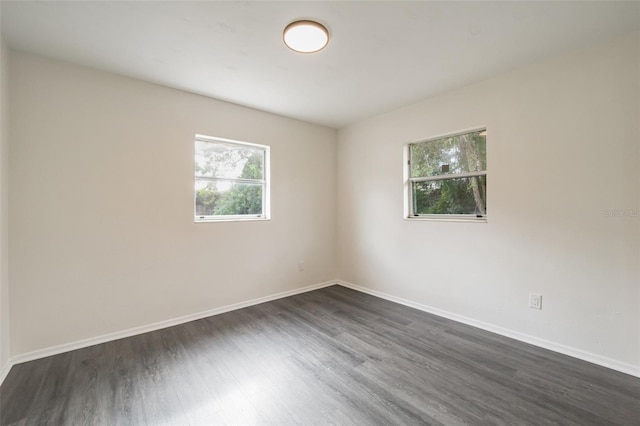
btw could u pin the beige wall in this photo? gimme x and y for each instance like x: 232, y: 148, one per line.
x: 102, y: 230
x: 103, y: 239
x: 4, y: 199
x: 563, y: 146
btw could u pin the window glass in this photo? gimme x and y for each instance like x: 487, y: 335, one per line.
x: 231, y: 180
x: 447, y: 177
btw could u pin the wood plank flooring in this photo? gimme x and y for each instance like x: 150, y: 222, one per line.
x: 331, y: 356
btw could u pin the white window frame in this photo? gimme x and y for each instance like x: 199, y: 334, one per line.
x: 265, y: 181
x: 408, y: 183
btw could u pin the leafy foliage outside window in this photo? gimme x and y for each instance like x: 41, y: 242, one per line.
x: 230, y: 179
x: 448, y: 176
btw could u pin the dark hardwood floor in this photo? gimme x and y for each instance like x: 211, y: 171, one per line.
x: 331, y: 356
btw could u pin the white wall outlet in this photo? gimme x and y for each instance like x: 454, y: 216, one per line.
x: 535, y: 301
x: 301, y: 266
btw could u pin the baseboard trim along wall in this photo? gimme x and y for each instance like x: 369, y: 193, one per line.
x: 79, y: 344
x: 566, y: 350
x: 603, y: 361
x: 5, y: 370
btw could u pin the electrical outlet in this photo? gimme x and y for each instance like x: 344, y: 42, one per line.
x: 535, y: 301
x: 301, y: 266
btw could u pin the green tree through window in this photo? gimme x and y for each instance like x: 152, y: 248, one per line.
x: 230, y: 179
x: 448, y: 176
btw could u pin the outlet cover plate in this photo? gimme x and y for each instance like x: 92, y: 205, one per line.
x: 535, y: 301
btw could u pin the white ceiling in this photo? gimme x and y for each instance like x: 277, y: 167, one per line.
x: 382, y: 55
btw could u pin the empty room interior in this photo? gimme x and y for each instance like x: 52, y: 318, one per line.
x: 308, y: 213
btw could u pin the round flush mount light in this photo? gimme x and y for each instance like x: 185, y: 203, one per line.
x: 306, y: 36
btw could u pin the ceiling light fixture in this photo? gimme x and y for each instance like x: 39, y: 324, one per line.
x: 305, y: 36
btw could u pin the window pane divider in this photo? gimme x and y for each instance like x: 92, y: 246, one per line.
x: 448, y: 176
x: 237, y: 180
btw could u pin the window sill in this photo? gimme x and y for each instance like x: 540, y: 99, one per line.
x: 231, y: 219
x: 443, y: 218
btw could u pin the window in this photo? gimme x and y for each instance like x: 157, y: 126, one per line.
x: 447, y: 177
x: 231, y: 180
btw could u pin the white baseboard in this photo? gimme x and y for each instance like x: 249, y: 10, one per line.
x: 79, y: 344
x: 563, y: 349
x: 5, y: 370
x: 603, y: 361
